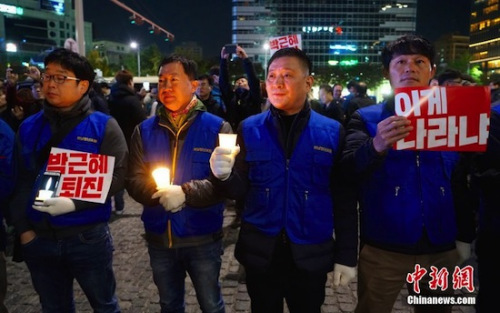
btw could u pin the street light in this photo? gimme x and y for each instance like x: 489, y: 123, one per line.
x: 266, y: 49
x: 135, y: 45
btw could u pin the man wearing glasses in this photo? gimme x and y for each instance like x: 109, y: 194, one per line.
x: 64, y: 239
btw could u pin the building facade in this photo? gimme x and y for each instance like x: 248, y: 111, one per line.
x: 29, y: 28
x: 485, y: 36
x: 334, y: 33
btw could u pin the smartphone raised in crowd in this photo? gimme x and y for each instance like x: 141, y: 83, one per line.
x: 230, y: 48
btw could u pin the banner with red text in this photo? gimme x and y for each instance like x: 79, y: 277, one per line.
x: 84, y: 176
x: 288, y: 41
x: 453, y: 118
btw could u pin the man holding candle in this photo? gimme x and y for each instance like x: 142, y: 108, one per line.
x: 288, y: 176
x: 183, y: 220
x: 64, y: 239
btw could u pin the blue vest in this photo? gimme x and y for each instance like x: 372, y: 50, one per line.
x: 293, y: 194
x: 192, y: 163
x: 34, y: 133
x: 409, y: 191
x: 7, y: 182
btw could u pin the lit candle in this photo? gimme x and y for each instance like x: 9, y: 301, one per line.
x: 162, y: 177
x: 227, y: 140
x: 46, y: 193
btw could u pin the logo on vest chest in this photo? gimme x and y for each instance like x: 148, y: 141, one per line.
x: 87, y: 139
x: 324, y: 149
x: 198, y: 149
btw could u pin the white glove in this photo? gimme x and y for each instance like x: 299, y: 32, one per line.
x: 342, y: 275
x: 56, y: 206
x: 222, y: 161
x: 463, y: 249
x: 171, y: 197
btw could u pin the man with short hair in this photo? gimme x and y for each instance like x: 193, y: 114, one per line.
x: 126, y: 107
x: 184, y: 234
x: 289, y: 179
x: 64, y: 239
x: 204, y: 93
x: 337, y: 92
x: 330, y: 107
x: 414, y: 206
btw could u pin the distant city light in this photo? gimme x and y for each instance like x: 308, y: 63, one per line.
x: 348, y: 62
x: 4, y: 8
x: 343, y: 47
x: 10, y: 47
x: 316, y: 29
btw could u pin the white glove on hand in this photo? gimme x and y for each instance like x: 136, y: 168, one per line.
x: 222, y: 161
x: 463, y: 249
x: 342, y: 275
x: 56, y: 206
x: 171, y: 197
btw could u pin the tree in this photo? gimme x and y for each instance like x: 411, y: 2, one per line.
x: 99, y: 62
x: 370, y: 73
x: 150, y: 60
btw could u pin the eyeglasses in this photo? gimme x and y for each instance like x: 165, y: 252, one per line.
x: 58, y: 79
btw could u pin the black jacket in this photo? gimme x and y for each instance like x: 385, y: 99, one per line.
x: 240, y: 104
x: 126, y: 108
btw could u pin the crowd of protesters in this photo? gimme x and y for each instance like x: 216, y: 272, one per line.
x: 306, y: 173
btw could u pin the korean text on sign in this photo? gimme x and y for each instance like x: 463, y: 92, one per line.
x: 84, y: 176
x: 288, y: 41
x: 444, y: 118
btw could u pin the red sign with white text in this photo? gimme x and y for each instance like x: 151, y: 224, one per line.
x: 84, y: 176
x: 453, y: 118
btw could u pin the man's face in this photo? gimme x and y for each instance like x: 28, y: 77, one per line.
x: 175, y: 90
x: 324, y: 96
x: 242, y: 82
x: 337, y: 92
x: 410, y: 70
x: 204, y: 89
x: 288, y: 84
x: 66, y: 94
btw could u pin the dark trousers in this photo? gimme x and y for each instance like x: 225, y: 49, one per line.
x: 303, y: 291
x: 489, y: 276
x: 119, y: 200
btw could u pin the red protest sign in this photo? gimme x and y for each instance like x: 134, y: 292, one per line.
x: 453, y: 118
x: 84, y: 176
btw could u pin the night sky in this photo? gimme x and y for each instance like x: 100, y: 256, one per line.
x: 208, y: 22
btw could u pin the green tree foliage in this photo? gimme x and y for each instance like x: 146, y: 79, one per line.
x: 371, y: 74
x: 99, y: 62
x: 150, y: 60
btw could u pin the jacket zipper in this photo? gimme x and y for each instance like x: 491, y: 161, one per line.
x: 172, y: 176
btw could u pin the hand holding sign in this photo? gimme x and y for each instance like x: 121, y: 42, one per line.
x: 389, y: 131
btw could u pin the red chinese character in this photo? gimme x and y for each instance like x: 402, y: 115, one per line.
x: 273, y: 44
x: 463, y: 278
x: 283, y: 42
x: 439, y: 279
x: 98, y: 163
x: 78, y: 163
x: 415, y: 277
x: 293, y: 40
x: 57, y: 162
